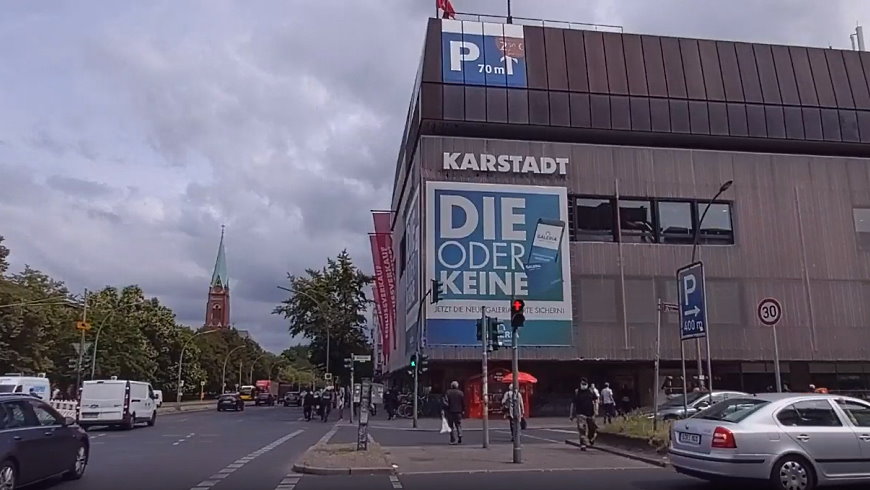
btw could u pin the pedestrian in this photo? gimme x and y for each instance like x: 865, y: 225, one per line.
x: 318, y: 403
x: 390, y: 403
x: 326, y: 401
x: 454, y: 406
x: 514, y: 413
x: 583, y: 412
x: 597, y: 398
x: 608, y: 403
x: 307, y: 405
x: 339, y: 400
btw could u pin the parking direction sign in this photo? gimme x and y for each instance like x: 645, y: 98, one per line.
x: 693, y: 301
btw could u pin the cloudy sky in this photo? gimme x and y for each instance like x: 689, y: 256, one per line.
x: 130, y: 131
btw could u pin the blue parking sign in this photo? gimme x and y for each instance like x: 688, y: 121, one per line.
x: 693, y: 301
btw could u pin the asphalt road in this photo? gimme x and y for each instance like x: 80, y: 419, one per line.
x: 254, y: 449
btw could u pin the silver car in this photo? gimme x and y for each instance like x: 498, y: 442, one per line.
x: 696, y: 401
x: 794, y: 441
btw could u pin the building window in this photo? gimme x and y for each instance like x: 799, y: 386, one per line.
x: 403, y: 255
x: 675, y: 222
x: 593, y: 220
x: 862, y: 226
x: 636, y: 221
x: 717, y: 227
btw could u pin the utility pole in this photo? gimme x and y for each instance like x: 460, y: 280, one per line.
x: 518, y: 319
x: 82, y: 345
x: 484, y: 327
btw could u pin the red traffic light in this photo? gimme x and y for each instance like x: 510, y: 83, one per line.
x: 517, y: 306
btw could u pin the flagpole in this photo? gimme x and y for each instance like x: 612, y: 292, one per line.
x: 510, y: 19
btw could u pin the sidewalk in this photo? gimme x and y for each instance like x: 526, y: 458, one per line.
x: 434, y: 424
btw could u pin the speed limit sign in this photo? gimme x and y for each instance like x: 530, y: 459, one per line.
x: 769, y: 311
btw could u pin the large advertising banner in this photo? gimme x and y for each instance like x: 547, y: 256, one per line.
x: 480, y: 239
x: 411, y: 276
x: 380, y: 292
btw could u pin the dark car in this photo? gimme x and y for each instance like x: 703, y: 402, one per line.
x: 230, y: 401
x: 292, y: 398
x: 264, y: 398
x: 37, y: 443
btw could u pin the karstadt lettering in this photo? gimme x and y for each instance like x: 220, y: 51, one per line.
x: 518, y: 164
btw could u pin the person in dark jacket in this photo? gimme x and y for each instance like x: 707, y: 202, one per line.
x: 454, y: 406
x: 307, y: 405
x: 583, y: 411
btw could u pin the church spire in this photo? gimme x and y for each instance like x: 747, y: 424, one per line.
x: 219, y: 277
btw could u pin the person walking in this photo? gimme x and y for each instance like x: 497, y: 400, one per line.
x: 454, y: 406
x: 307, y: 405
x: 608, y: 403
x: 514, y: 414
x: 326, y: 400
x: 339, y: 402
x: 583, y: 412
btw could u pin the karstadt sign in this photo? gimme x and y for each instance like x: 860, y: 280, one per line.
x: 517, y: 164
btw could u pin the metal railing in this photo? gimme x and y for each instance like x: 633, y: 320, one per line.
x: 502, y: 19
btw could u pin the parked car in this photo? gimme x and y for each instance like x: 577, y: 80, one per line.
x: 696, y: 401
x: 37, y: 443
x: 264, y: 398
x: 230, y: 401
x: 793, y: 441
x: 117, y: 402
x: 38, y: 386
x: 292, y: 398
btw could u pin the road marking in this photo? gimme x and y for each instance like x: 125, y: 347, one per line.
x: 395, y: 481
x: 326, y: 437
x: 97, y: 435
x: 188, y: 436
x: 528, y: 470
x: 232, y: 467
x: 289, y: 482
x: 564, y: 431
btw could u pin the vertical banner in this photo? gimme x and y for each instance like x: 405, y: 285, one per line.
x: 490, y: 243
x: 380, y: 293
x: 382, y: 221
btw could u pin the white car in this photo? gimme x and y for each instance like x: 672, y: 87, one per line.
x: 26, y: 385
x: 116, y: 402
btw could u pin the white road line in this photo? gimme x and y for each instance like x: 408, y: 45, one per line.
x: 289, y: 482
x: 564, y: 431
x: 395, y: 481
x: 188, y: 436
x: 326, y: 437
x: 230, y: 468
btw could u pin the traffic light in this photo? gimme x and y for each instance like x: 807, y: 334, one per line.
x: 517, y: 316
x: 348, y: 363
x: 413, y: 361
x: 494, y: 336
x: 479, y: 330
x: 424, y: 363
x: 437, y: 290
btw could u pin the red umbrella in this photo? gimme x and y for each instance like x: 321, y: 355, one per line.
x: 523, y: 378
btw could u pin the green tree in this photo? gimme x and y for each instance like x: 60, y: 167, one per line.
x: 4, y: 254
x: 328, y: 307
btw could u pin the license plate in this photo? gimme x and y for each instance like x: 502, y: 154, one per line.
x: 89, y: 415
x: 688, y: 438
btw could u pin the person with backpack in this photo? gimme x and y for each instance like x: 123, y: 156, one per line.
x: 583, y: 412
x: 307, y: 405
x: 453, y: 404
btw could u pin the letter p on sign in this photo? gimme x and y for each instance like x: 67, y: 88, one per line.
x: 462, y: 51
x: 689, y: 286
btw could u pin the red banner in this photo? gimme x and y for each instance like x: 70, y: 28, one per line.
x: 383, y: 230
x: 380, y: 295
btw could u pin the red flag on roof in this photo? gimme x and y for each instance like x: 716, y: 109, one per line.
x: 446, y: 7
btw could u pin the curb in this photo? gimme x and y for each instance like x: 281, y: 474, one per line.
x: 317, y: 470
x: 660, y: 462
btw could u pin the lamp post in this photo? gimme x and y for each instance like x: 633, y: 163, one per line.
x: 224, y: 372
x: 97, y: 342
x: 251, y: 373
x: 724, y: 187
x: 181, y: 361
x: 323, y: 311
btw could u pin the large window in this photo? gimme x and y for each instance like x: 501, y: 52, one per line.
x: 668, y: 221
x: 593, y: 220
x: 862, y: 226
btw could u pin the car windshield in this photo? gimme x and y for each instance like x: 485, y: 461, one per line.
x: 228, y: 398
x: 677, y: 401
x: 7, y: 388
x: 732, y: 410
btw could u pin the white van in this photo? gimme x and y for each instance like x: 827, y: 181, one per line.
x: 35, y: 385
x: 116, y: 402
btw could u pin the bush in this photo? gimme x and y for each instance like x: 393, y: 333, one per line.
x: 640, y: 427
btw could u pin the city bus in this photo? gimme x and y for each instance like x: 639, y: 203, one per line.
x: 247, y: 393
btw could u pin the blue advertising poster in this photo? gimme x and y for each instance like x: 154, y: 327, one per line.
x: 482, y: 53
x: 480, y: 239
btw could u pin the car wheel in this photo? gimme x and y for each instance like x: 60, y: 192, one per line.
x: 79, y: 465
x: 130, y: 424
x: 8, y: 475
x: 153, y: 419
x: 793, y: 472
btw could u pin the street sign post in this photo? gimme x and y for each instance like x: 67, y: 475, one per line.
x: 691, y: 288
x: 362, y: 435
x: 363, y: 358
x: 661, y: 307
x: 327, y: 376
x: 83, y: 326
x: 769, y: 313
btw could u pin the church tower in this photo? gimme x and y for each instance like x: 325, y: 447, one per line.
x: 217, y: 312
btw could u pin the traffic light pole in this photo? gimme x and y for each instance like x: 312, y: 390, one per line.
x: 484, y: 326
x: 81, y: 348
x: 515, y: 364
x: 417, y: 354
x: 352, y: 390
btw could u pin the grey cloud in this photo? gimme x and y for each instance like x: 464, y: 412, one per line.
x: 78, y: 187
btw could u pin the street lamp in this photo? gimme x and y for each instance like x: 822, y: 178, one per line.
x: 724, y: 187
x: 251, y: 374
x: 224, y: 372
x: 323, y: 311
x: 181, y: 361
x: 54, y: 301
x: 97, y: 342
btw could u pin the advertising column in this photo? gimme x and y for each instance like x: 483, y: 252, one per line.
x: 483, y: 236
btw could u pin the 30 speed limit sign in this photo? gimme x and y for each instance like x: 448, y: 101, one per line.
x: 769, y: 311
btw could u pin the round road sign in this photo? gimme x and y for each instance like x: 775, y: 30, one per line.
x: 769, y: 311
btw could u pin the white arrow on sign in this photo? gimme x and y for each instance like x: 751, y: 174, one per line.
x: 509, y: 64
x: 694, y: 311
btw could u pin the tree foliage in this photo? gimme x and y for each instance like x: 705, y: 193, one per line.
x: 132, y: 336
x: 328, y: 306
